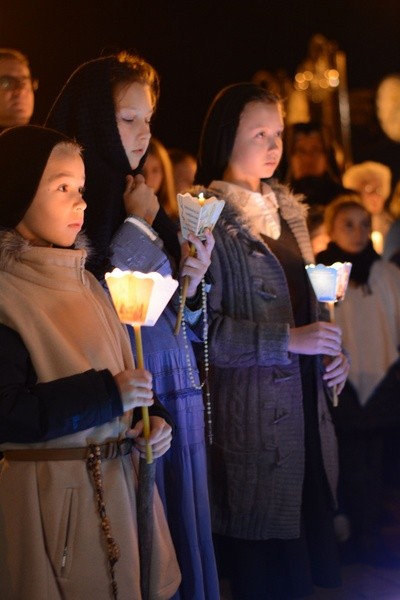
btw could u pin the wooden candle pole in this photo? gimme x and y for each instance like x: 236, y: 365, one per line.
x: 331, y: 307
x: 145, y: 410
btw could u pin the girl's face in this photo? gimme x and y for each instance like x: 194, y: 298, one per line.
x: 153, y: 172
x: 258, y: 145
x: 133, y: 110
x: 351, y: 229
x: 55, y: 215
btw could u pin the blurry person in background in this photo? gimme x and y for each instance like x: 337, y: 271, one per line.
x: 318, y: 235
x: 372, y: 180
x: 158, y: 173
x: 312, y: 168
x: 391, y: 247
x: 368, y: 414
x: 184, y: 166
x: 17, y: 87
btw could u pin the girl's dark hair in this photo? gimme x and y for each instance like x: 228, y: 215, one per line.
x: 220, y: 126
x: 130, y: 68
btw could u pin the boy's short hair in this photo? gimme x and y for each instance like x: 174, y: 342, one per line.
x: 68, y: 147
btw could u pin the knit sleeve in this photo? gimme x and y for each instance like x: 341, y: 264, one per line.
x: 237, y: 339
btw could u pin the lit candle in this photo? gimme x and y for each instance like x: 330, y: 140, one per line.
x: 330, y: 284
x: 196, y: 213
x: 377, y: 241
x: 139, y: 299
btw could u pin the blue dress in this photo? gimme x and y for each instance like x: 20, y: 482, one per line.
x: 182, y: 471
x: 85, y: 110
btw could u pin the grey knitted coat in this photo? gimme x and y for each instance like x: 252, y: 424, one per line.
x: 257, y: 459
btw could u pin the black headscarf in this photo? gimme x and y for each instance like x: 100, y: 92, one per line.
x: 85, y: 111
x: 24, y: 152
x: 220, y: 126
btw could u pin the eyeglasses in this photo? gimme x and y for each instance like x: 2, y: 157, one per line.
x: 10, y: 83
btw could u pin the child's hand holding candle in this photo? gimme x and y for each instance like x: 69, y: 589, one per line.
x: 330, y: 284
x: 195, y: 263
x: 198, y: 216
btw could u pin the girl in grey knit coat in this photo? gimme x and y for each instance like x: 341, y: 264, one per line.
x: 274, y: 362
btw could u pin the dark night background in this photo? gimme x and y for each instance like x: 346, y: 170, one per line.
x: 198, y: 47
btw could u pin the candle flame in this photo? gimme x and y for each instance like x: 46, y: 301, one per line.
x: 131, y: 296
x: 377, y: 241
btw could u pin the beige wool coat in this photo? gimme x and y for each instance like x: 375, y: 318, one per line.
x: 51, y: 543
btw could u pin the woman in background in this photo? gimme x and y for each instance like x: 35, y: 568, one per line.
x: 158, y: 173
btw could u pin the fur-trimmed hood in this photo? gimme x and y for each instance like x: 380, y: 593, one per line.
x: 13, y: 246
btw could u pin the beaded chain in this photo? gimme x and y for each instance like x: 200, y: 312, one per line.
x: 94, y: 466
x: 206, y: 363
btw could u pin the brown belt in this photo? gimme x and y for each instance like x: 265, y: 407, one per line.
x: 108, y: 450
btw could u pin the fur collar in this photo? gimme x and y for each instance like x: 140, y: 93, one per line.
x: 291, y: 207
x: 13, y: 246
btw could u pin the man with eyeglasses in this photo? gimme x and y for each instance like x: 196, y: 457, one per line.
x: 16, y: 89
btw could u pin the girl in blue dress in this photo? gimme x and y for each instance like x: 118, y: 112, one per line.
x: 107, y: 105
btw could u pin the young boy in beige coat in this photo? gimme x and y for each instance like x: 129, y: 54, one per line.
x: 68, y: 390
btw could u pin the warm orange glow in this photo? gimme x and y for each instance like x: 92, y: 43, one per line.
x: 139, y: 298
x: 377, y: 241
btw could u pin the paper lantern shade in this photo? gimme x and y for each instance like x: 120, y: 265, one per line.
x: 197, y: 213
x: 329, y: 282
x: 140, y: 298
